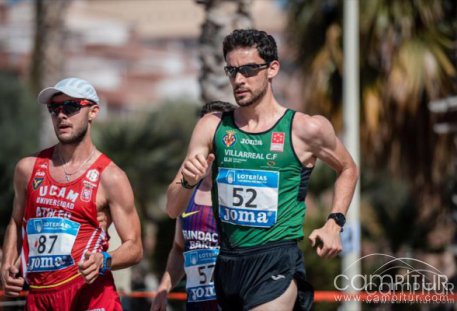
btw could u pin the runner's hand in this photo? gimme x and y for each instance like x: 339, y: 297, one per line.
x: 195, y: 168
x: 12, y: 281
x: 160, y: 301
x: 90, y: 266
x: 327, y: 240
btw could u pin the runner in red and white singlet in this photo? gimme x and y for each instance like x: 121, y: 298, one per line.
x: 65, y: 199
x: 60, y: 223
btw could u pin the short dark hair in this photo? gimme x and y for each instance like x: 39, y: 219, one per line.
x: 246, y: 38
x: 216, y: 106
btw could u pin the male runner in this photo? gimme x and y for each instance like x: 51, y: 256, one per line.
x: 195, y: 245
x: 262, y: 155
x: 60, y: 193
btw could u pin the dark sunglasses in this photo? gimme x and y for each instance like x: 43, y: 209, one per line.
x: 248, y: 70
x: 68, y: 107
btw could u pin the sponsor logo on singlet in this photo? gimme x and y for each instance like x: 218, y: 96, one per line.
x: 37, y: 182
x: 277, y: 141
x: 185, y: 215
x: 93, y: 175
x: 229, y: 138
x: 252, y: 142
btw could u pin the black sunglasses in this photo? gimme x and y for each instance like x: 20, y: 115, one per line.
x: 248, y: 70
x: 68, y: 107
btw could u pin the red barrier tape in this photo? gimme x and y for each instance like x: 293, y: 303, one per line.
x: 327, y: 296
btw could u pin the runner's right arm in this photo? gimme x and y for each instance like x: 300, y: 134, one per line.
x: 11, y: 279
x: 195, y: 166
x: 173, y: 273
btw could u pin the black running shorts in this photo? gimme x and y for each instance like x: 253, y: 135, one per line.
x: 251, y: 276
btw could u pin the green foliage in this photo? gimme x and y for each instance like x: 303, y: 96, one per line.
x: 406, y: 60
x: 19, y: 126
x: 396, y: 214
x: 323, y: 177
x: 150, y: 150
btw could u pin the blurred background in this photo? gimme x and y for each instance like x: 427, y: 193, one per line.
x: 155, y: 62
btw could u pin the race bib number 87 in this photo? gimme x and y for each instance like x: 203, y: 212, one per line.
x: 50, y: 243
x: 248, y: 197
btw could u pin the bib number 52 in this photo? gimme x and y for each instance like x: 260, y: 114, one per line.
x: 242, y: 195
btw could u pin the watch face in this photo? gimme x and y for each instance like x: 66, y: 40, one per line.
x: 108, y: 263
x: 339, y: 218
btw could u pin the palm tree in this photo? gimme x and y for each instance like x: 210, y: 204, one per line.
x: 405, y: 62
x: 222, y: 16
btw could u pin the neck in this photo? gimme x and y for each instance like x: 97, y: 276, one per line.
x: 260, y: 115
x: 75, y: 152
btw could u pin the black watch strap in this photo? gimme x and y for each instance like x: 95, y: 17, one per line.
x: 339, y: 219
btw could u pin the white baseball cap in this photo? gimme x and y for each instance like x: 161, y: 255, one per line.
x: 73, y: 87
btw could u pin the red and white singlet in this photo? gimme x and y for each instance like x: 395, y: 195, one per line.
x: 60, y: 223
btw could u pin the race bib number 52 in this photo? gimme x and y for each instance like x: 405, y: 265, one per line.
x: 248, y: 197
x: 50, y: 243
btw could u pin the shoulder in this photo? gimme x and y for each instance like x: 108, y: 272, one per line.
x: 113, y: 176
x: 25, y: 165
x: 205, y: 129
x: 24, y: 169
x: 210, y: 119
x: 312, y: 129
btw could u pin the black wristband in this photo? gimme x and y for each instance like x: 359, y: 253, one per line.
x: 185, y: 184
x: 339, y: 219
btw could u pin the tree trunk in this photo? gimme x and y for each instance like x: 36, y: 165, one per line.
x: 48, y: 56
x: 222, y: 17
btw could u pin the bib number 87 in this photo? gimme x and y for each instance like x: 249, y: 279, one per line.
x: 42, y: 243
x: 240, y: 195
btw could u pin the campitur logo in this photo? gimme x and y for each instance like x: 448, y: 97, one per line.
x: 398, y: 279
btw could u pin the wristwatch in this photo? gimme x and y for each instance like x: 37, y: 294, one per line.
x: 338, y: 218
x: 106, y: 263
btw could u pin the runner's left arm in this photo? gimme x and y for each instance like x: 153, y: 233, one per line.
x: 125, y: 218
x: 320, y: 137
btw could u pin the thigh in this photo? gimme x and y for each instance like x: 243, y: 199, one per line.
x: 60, y: 298
x: 101, y: 295
x: 285, y: 302
x: 227, y: 284
x: 257, y: 276
x: 43, y: 302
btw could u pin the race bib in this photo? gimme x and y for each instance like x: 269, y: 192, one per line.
x: 50, y: 243
x: 248, y: 197
x: 199, y: 266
